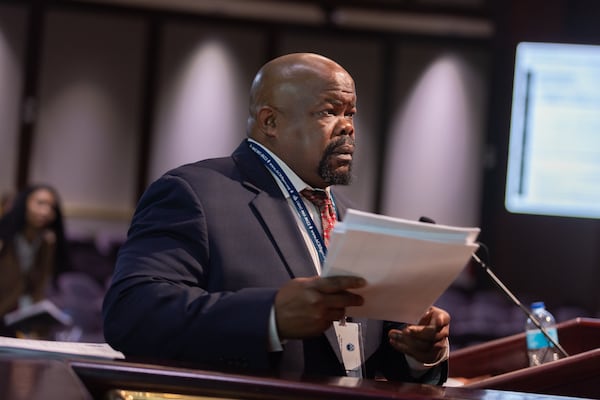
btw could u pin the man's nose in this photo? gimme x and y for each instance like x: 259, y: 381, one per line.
x: 345, y: 127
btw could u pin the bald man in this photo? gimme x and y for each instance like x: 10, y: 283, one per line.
x: 222, y: 261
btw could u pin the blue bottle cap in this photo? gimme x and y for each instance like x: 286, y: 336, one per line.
x: 537, y: 304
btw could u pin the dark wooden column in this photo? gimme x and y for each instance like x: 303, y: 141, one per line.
x: 29, y: 108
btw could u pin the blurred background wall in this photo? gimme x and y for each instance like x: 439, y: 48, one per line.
x: 99, y: 98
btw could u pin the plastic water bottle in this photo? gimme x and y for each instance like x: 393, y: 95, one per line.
x: 539, y: 349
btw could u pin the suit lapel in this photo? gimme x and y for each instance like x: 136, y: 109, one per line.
x: 283, y: 230
x: 275, y: 214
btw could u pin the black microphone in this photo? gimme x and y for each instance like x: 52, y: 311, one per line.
x: 508, y: 293
x: 516, y: 301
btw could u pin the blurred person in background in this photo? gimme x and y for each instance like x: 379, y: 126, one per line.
x: 33, y: 249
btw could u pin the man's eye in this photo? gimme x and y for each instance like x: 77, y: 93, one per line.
x: 334, y: 113
x: 326, y: 113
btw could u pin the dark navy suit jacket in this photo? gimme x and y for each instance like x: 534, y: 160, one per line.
x: 209, y: 245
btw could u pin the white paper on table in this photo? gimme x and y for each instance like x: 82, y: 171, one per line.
x: 58, y: 348
x: 405, y: 275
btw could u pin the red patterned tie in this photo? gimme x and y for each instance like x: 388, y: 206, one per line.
x: 321, y: 199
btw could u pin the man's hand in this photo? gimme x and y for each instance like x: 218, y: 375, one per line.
x: 306, y: 307
x: 427, y: 341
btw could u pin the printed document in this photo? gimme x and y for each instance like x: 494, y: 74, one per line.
x: 407, y: 264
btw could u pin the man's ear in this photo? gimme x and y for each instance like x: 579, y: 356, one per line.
x: 266, y: 121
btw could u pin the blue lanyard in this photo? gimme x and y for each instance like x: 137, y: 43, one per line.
x: 303, y: 213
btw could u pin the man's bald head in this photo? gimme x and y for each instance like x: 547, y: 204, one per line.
x: 302, y: 107
x: 290, y: 75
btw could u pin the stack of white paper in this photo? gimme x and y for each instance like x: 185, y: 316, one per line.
x: 407, y: 264
x: 56, y: 348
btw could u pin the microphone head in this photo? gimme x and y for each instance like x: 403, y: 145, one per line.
x: 426, y: 219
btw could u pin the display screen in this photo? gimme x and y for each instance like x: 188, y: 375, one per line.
x: 554, y: 150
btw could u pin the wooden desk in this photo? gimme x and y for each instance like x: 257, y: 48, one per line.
x: 33, y: 379
x: 26, y: 378
x: 503, y: 364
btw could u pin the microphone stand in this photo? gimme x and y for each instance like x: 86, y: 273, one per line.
x: 516, y: 301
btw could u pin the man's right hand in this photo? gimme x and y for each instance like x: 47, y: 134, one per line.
x: 306, y: 307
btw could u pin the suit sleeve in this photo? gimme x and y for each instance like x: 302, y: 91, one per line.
x: 158, y: 305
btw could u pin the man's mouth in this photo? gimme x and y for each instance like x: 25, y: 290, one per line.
x: 343, y: 152
x: 336, y: 164
x: 344, y: 149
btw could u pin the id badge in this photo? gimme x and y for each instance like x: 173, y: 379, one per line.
x: 351, y: 346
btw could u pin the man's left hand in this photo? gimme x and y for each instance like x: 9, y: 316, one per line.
x: 426, y: 341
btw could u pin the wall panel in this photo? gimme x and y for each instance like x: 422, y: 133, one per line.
x: 434, y: 151
x: 86, y: 138
x: 13, y: 23
x: 202, y: 102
